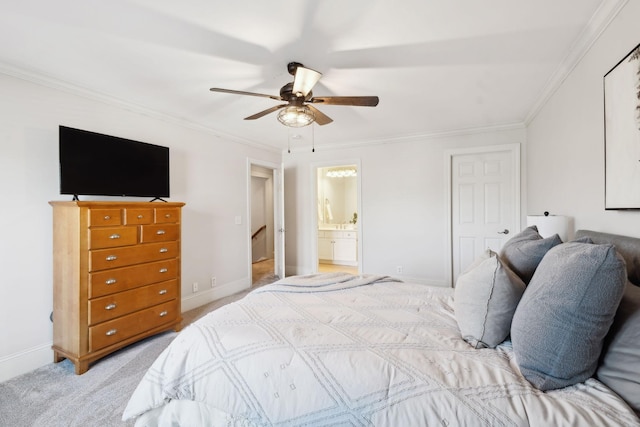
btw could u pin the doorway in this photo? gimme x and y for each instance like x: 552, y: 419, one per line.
x: 266, y: 228
x: 483, y: 200
x: 337, y: 190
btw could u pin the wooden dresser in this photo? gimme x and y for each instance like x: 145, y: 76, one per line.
x: 116, y: 276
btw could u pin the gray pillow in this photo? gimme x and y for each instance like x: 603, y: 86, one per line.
x: 560, y: 324
x: 485, y: 298
x: 524, y: 251
x: 620, y: 362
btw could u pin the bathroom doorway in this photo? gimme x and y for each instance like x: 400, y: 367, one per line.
x: 338, y: 218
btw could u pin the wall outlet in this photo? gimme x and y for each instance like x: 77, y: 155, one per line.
x: 195, y: 287
x: 213, y: 281
x: 399, y: 269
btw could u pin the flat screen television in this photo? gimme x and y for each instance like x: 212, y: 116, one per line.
x: 94, y: 164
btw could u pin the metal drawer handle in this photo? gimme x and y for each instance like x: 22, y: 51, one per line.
x: 163, y: 270
x: 164, y: 313
x: 107, y: 217
x: 111, y: 332
x: 167, y: 215
x: 163, y: 250
x: 162, y: 291
x: 112, y: 258
x: 110, y: 307
x: 140, y: 216
x: 110, y: 281
x: 160, y: 232
x: 114, y: 236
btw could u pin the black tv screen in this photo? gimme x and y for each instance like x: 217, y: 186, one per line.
x: 94, y: 164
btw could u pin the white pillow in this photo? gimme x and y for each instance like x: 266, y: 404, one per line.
x: 485, y: 298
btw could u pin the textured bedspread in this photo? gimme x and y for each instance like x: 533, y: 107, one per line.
x: 382, y: 354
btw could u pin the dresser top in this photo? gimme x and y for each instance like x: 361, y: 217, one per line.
x: 115, y: 204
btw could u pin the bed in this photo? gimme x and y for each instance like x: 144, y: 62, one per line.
x: 342, y: 350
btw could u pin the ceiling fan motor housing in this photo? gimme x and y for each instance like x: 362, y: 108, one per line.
x: 286, y: 93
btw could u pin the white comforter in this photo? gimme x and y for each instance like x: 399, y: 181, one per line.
x: 381, y: 354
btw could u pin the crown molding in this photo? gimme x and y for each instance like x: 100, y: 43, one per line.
x: 73, y: 89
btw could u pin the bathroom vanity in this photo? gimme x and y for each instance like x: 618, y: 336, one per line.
x: 338, y: 246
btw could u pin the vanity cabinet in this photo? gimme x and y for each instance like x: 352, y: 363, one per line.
x: 338, y: 247
x: 116, y: 276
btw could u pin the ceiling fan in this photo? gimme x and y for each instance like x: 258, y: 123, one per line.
x: 298, y: 111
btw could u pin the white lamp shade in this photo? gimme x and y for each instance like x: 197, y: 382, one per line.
x: 304, y: 80
x: 550, y: 225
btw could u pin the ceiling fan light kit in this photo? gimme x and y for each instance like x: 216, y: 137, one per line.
x: 297, y: 94
x: 296, y: 116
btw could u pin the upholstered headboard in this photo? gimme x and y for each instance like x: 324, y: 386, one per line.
x: 628, y: 247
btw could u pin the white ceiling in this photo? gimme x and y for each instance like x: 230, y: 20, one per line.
x: 438, y: 66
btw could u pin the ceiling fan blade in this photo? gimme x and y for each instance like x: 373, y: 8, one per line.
x: 321, y: 118
x: 304, y: 80
x: 241, y: 92
x: 265, y: 112
x: 359, y: 101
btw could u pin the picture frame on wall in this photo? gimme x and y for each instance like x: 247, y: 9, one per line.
x: 622, y: 133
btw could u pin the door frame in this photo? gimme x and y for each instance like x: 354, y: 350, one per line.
x: 514, y: 150
x: 278, y: 216
x: 314, y: 208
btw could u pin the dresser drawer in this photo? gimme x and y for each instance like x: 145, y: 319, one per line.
x: 167, y: 215
x: 114, y: 331
x: 159, y: 233
x: 103, y: 259
x: 137, y: 216
x: 105, y: 217
x: 110, y: 237
x: 116, y: 305
x: 125, y: 278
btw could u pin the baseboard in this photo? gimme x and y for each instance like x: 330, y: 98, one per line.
x: 428, y: 282
x: 36, y: 357
x: 25, y: 361
x: 210, y: 295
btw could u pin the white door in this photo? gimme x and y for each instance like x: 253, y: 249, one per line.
x: 485, y: 202
x: 279, y: 222
x: 345, y: 250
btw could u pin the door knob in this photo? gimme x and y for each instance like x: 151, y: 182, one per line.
x: 505, y: 231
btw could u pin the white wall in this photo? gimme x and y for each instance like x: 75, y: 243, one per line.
x: 207, y: 173
x: 403, y: 217
x: 566, y: 138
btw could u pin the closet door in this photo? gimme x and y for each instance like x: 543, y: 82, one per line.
x: 484, y: 203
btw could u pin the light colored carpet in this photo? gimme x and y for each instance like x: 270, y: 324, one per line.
x: 54, y: 396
